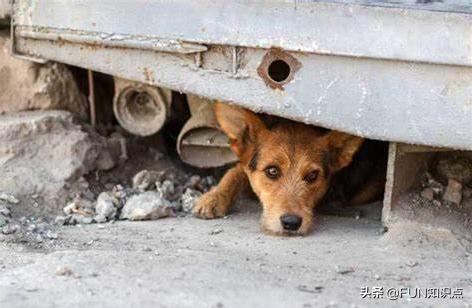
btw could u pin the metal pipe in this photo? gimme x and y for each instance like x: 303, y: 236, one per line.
x: 141, y: 109
x: 201, y: 143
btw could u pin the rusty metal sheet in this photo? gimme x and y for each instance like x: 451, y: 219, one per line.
x: 409, y: 102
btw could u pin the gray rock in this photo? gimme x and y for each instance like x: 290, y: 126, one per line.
x: 4, y: 210
x: 45, y: 153
x: 8, y: 198
x: 146, y: 206
x: 188, y: 199
x: 453, y: 192
x: 106, y: 206
x: 51, y: 235
x: 144, y: 180
x: 166, y: 189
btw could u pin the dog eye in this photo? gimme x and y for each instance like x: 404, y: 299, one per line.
x: 272, y: 172
x: 311, y: 176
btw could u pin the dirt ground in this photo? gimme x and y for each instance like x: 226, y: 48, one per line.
x: 186, y: 262
x: 88, y: 260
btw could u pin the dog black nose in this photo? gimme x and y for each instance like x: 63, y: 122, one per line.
x: 291, y: 222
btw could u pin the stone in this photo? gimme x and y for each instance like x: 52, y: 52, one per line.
x: 9, y: 198
x: 4, y: 210
x: 146, y: 206
x: 453, y: 192
x: 51, y: 235
x: 428, y: 194
x: 9, y: 229
x: 60, y: 220
x: 25, y: 85
x: 144, y: 180
x: 166, y: 189
x: 46, y: 153
x: 189, y: 198
x: 105, y: 208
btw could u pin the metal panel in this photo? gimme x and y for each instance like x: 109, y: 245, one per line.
x: 400, y: 101
x: 306, y: 26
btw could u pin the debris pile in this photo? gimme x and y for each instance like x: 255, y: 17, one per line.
x: 6, y: 225
x: 152, y: 195
x: 35, y: 229
x: 450, y: 181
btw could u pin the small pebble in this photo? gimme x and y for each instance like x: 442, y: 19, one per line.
x: 9, y: 198
x: 63, y: 271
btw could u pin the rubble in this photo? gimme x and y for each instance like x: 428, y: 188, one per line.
x: 46, y: 154
x: 106, y: 207
x: 146, y: 206
x: 9, y: 198
x: 26, y: 85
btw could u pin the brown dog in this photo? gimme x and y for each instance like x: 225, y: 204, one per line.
x: 290, y: 166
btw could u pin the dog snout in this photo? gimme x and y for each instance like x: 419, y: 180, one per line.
x: 291, y: 222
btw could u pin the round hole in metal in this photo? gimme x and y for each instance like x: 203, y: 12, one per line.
x: 279, y: 70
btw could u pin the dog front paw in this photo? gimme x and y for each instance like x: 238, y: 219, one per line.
x: 211, y: 205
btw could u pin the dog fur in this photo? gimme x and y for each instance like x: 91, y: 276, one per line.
x: 291, y: 167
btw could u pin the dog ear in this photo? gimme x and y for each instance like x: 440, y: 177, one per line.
x: 341, y: 149
x: 240, y: 125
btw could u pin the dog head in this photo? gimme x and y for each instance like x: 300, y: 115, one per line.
x: 289, y: 165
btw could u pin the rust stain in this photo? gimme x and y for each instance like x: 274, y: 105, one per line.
x: 272, y: 55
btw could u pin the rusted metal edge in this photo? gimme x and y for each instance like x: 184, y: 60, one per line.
x: 109, y: 40
x: 272, y: 55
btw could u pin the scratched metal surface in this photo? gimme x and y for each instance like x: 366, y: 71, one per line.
x: 380, y: 72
